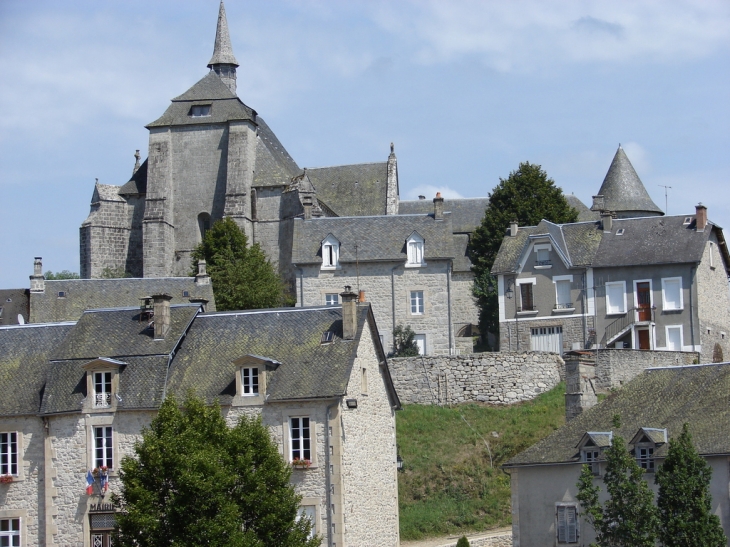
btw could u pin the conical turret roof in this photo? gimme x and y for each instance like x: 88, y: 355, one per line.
x: 623, y: 192
x: 222, y: 51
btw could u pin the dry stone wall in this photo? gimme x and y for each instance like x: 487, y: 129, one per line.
x: 498, y: 378
x: 615, y: 367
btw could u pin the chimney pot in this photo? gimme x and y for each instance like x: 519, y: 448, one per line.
x: 361, y: 296
x: 202, y: 278
x: 438, y: 207
x: 513, y: 228
x: 161, y: 307
x: 349, y: 313
x: 701, y: 217
x: 37, y: 280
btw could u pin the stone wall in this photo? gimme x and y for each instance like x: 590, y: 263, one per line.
x: 713, y: 304
x: 615, y: 367
x: 498, y: 378
x: 515, y: 335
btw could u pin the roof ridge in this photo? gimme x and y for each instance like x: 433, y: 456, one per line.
x: 347, y: 165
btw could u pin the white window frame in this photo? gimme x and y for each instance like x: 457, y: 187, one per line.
x: 304, y: 449
x: 609, y: 310
x: 712, y: 255
x: 590, y: 456
x: 645, y: 457
x: 250, y: 381
x: 422, y: 348
x: 417, y: 302
x: 10, y: 533
x: 566, y: 538
x: 665, y: 282
x: 331, y: 299
x: 103, y: 449
x: 563, y: 279
x: 103, y: 397
x: 309, y: 511
x: 330, y: 253
x: 416, y: 251
x: 9, y: 453
x: 527, y: 281
x: 667, y: 328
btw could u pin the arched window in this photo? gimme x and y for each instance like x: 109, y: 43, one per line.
x: 203, y: 224
x: 415, y: 248
x: 330, y: 253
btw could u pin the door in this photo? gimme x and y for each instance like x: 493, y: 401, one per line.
x: 547, y: 339
x: 643, y: 339
x: 643, y: 300
x: 420, y: 340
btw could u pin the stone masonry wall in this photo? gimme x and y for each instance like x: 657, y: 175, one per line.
x: 498, y: 378
x: 713, y: 304
x: 515, y: 335
x: 615, y: 367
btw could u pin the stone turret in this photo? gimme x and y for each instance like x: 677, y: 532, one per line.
x: 223, y: 61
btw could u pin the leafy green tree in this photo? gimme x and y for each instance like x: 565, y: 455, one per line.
x: 685, y: 503
x: 115, y: 273
x: 63, y: 274
x: 628, y: 518
x: 243, y: 278
x: 404, y: 342
x: 528, y: 196
x: 463, y: 542
x: 195, y: 481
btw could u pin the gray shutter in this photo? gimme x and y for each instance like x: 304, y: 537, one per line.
x: 571, y: 523
x: 562, y: 529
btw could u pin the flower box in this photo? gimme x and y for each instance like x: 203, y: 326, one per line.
x: 6, y: 479
x: 301, y: 464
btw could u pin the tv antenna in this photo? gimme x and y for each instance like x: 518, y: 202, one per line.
x: 666, y: 208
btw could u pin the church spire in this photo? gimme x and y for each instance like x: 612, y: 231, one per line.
x: 223, y: 61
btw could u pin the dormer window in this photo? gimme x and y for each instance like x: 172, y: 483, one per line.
x: 102, y: 384
x: 251, y: 377
x: 591, y: 447
x: 645, y: 442
x: 200, y: 110
x: 645, y: 458
x: 330, y: 253
x: 542, y: 260
x: 590, y: 457
x: 687, y: 221
x: 102, y: 389
x: 415, y: 249
x: 250, y: 381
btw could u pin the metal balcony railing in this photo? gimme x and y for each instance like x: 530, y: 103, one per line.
x: 634, y: 315
x: 564, y: 306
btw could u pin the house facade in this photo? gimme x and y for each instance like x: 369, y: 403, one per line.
x: 651, y: 282
x: 653, y: 408
x: 79, y: 394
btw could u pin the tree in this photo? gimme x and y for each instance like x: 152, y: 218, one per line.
x: 685, y: 503
x: 195, y: 481
x: 115, y: 273
x: 404, y: 342
x: 463, y: 542
x: 63, y: 274
x: 628, y: 518
x: 242, y: 277
x: 528, y: 196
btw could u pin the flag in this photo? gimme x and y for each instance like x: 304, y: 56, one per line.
x: 89, y: 483
x: 104, y: 482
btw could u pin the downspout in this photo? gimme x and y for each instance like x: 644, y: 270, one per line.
x: 327, y: 473
x: 301, y: 286
x: 452, y: 349
x: 392, y: 300
x: 692, y: 271
x: 585, y: 308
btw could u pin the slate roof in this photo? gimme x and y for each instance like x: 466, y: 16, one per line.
x: 466, y: 213
x: 291, y: 336
x: 211, y: 90
x: 352, y: 190
x: 24, y: 352
x: 84, y: 294
x: 274, y: 165
x: 137, y: 184
x: 222, y: 50
x: 377, y: 238
x: 657, y: 398
x: 14, y: 302
x: 461, y: 263
x: 623, y: 191
x: 584, y: 213
x: 119, y: 333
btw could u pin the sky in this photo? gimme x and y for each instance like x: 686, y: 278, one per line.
x: 465, y: 89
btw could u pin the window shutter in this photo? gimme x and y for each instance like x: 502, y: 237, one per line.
x: 672, y: 294
x: 615, y: 298
x: 571, y: 525
x: 563, y: 292
x: 562, y: 531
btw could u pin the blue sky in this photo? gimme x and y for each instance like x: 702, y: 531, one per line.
x: 465, y: 89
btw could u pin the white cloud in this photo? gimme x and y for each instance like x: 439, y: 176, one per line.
x: 429, y: 192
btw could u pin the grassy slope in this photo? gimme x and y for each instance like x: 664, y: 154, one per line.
x: 449, y: 485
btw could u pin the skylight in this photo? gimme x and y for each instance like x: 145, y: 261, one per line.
x: 327, y: 337
x: 620, y: 232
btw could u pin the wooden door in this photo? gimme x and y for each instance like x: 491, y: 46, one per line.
x: 643, y: 299
x: 643, y: 339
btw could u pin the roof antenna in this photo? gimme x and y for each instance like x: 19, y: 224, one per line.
x: 666, y: 208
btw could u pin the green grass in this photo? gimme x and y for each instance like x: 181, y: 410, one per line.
x: 450, y: 485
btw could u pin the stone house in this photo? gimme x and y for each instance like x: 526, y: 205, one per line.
x: 79, y: 393
x: 653, y: 408
x: 644, y: 282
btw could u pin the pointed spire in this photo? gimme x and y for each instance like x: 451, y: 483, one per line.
x: 222, y: 51
x: 623, y: 192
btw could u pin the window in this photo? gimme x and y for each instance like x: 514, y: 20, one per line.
x: 200, y: 110
x: 102, y: 389
x: 420, y: 340
x: 330, y: 253
x: 620, y: 231
x: 528, y: 303
x: 331, y: 299
x: 590, y: 457
x: 300, y: 439
x: 672, y: 293
x: 61, y: 294
x: 416, y: 302
x: 103, y: 448
x: 562, y: 294
x: 645, y: 458
x: 712, y: 255
x: 543, y: 257
x: 309, y: 512
x: 615, y: 297
x: 327, y: 337
x: 9, y: 532
x: 567, y: 524
x: 674, y: 338
x: 415, y: 246
x: 250, y: 381
x: 364, y: 382
x: 203, y: 224
x: 9, y: 453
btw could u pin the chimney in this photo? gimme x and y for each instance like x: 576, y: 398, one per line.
x: 438, y: 207
x: 513, y: 227
x: 307, y: 202
x: 202, y: 301
x: 202, y: 278
x: 37, y: 281
x: 137, y: 157
x: 361, y: 296
x: 349, y: 313
x: 162, y: 314
x: 421, y: 197
x: 606, y: 221
x: 701, y: 217
x: 599, y: 203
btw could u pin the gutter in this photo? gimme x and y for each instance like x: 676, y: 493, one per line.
x: 327, y: 473
x: 301, y: 285
x: 452, y: 349
x: 392, y: 299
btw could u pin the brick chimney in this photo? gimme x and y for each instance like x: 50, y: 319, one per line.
x: 202, y: 278
x: 307, y: 203
x: 701, y: 217
x: 513, y: 227
x: 37, y: 281
x: 438, y: 207
x: 606, y: 221
x: 161, y: 307
x: 349, y: 313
